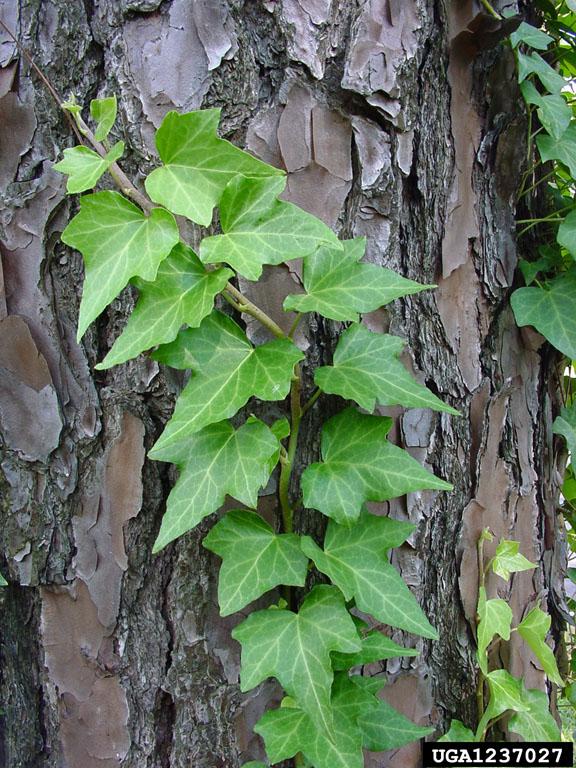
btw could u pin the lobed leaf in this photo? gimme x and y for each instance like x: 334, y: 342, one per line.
x: 197, y: 165
x: 534, y: 628
x: 553, y: 111
x: 508, y: 559
x: 216, y: 461
x: 338, y: 286
x: 118, y: 242
x: 532, y: 36
x: 366, y: 369
x: 254, y: 559
x: 534, y: 64
x: 458, y: 732
x: 534, y: 723
x: 259, y: 229
x: 84, y: 167
x: 103, y: 112
x: 565, y: 425
x: 228, y: 371
x: 506, y: 692
x: 182, y: 294
x: 375, y: 647
x: 562, y: 149
x: 295, y: 649
x: 360, y: 465
x: 356, y: 560
x: 551, y: 309
x: 495, y: 618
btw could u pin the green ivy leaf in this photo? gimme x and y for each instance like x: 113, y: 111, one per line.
x: 495, y: 619
x: 551, y: 310
x: 253, y: 764
x: 356, y: 560
x: 3, y: 582
x: 260, y: 229
x: 458, y: 732
x: 339, y: 287
x: 375, y: 647
x: 562, y: 149
x: 216, y: 461
x: 118, y: 242
x: 366, y: 369
x: 295, y: 649
x: 506, y: 692
x: 508, y: 559
x: 534, y: 64
x: 553, y: 111
x: 255, y: 559
x: 182, y: 294
x: 534, y: 628
x: 84, y: 167
x: 228, y: 371
x: 361, y: 465
x: 104, y: 112
x: 565, y: 425
x: 535, y: 723
x: 197, y: 165
x: 567, y: 233
x: 530, y: 35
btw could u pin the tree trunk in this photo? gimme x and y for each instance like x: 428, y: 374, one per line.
x: 394, y: 122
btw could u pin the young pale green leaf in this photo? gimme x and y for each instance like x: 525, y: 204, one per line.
x: 506, y: 692
x: 551, y: 309
x: 216, y: 461
x: 259, y: 229
x: 118, y: 242
x: 228, y: 372
x: 84, y: 167
x: 361, y: 465
x: 103, y: 112
x: 295, y: 649
x: 458, y: 732
x: 182, y: 294
x: 366, y: 369
x: 495, y: 619
x: 567, y: 233
x: 356, y: 560
x: 532, y: 36
x: 534, y: 64
x: 339, y: 287
x: 375, y: 647
x: 254, y: 559
x: 535, y: 723
x: 197, y: 165
x: 534, y: 628
x: 508, y: 559
x: 565, y: 425
x: 562, y: 149
x: 553, y: 111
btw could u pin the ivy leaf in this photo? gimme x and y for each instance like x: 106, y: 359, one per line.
x: 84, y: 167
x: 375, y: 647
x: 255, y: 559
x: 367, y: 369
x: 104, y: 112
x: 356, y: 560
x: 458, y: 732
x: 530, y: 35
x: 534, y: 64
x: 553, y: 111
x: 567, y: 233
x: 216, y: 461
x: 535, y: 723
x: 551, y: 310
x: 197, y: 165
x: 495, y: 619
x: 118, y: 242
x: 339, y: 287
x: 562, y: 149
x: 253, y: 764
x: 3, y: 582
x: 565, y: 425
x: 508, y: 559
x: 260, y: 229
x: 361, y: 465
x: 506, y: 692
x: 534, y: 628
x: 229, y: 371
x: 295, y: 649
x: 182, y: 294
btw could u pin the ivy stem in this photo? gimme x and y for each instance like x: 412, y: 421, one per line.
x: 294, y: 326
x: 490, y: 9
x: 244, y: 305
x: 315, y: 395
x: 286, y: 467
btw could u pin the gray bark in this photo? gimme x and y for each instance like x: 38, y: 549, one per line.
x: 394, y: 123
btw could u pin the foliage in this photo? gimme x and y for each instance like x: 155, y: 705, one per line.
x: 330, y: 714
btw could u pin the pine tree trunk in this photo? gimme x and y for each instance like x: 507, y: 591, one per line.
x: 395, y: 122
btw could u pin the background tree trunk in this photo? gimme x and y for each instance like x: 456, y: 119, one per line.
x: 394, y: 122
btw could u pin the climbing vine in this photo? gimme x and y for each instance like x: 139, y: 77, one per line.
x: 329, y: 714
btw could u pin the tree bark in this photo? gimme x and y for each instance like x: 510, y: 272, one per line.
x: 394, y: 122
